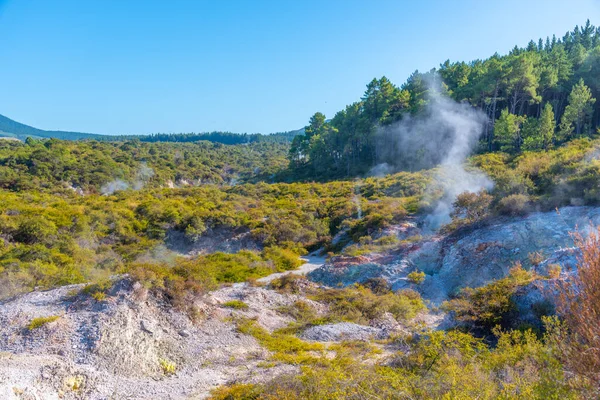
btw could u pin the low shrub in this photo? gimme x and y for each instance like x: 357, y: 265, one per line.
x: 489, y: 305
x: 289, y: 283
x: 554, y: 271
x: 168, y: 367
x: 416, y: 277
x: 37, y: 323
x: 514, y: 205
x: 286, y: 347
x: 236, y: 305
x: 359, y: 304
x: 378, y: 285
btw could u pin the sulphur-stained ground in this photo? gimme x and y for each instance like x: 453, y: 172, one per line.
x: 65, y: 344
x: 117, y: 348
x: 113, y: 349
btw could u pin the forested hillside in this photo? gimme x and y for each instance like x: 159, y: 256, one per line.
x: 94, y: 166
x: 17, y: 130
x: 13, y: 129
x: 533, y: 98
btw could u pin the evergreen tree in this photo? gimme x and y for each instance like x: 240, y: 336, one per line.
x: 539, y: 133
x: 507, y: 131
x: 577, y: 112
x: 547, y: 126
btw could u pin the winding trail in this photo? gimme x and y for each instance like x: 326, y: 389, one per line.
x: 312, y: 262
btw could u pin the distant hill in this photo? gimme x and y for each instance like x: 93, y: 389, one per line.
x: 16, y: 130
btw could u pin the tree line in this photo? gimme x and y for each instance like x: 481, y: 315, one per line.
x: 534, y: 98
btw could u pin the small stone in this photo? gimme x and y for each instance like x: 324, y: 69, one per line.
x: 184, y: 333
x: 147, y: 326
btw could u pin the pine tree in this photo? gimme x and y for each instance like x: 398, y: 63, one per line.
x: 539, y: 133
x: 577, y: 112
x: 547, y: 126
x: 507, y: 131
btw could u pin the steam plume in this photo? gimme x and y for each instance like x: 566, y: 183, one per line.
x: 445, y: 134
x: 142, y: 176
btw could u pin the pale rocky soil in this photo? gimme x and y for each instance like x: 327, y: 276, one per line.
x: 112, y: 349
x: 472, y: 258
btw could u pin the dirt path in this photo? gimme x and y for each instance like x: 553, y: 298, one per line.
x: 312, y: 263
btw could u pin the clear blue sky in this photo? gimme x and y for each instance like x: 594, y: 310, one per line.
x: 143, y: 66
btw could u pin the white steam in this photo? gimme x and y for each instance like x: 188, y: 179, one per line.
x: 114, y: 186
x: 381, y: 170
x: 445, y: 134
x: 142, y: 176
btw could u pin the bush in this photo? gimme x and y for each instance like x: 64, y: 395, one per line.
x: 301, y: 311
x: 99, y: 296
x: 284, y: 259
x: 35, y: 230
x: 487, y: 306
x: 579, y: 305
x: 514, y: 205
x: 289, y: 283
x: 416, y: 277
x: 554, y: 271
x: 286, y: 348
x: 359, y: 304
x: 168, y: 367
x: 441, y: 365
x: 236, y: 305
x: 237, y: 391
x: 37, y: 323
x: 471, y: 207
x: 378, y: 286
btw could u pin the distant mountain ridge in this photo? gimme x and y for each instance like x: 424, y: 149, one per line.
x: 16, y: 130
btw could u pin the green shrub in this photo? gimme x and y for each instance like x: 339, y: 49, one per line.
x: 37, y: 323
x: 289, y: 283
x: 444, y: 365
x: 416, y: 277
x: 492, y: 304
x: 236, y: 391
x: 168, y: 367
x: 35, y: 229
x: 99, y: 296
x: 359, y: 304
x: 554, y: 271
x: 283, y: 259
x: 301, y: 311
x: 286, y: 348
x: 379, y: 286
x: 471, y: 208
x: 236, y: 305
x: 514, y: 205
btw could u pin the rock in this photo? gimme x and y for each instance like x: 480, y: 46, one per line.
x: 342, y: 331
x: 184, y: 333
x: 472, y: 258
x: 147, y: 326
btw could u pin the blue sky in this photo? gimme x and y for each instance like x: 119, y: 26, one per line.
x: 144, y: 66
